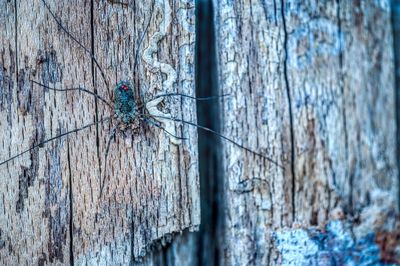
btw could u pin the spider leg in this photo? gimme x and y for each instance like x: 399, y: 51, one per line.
x: 221, y: 136
x: 151, y: 106
x: 78, y: 42
x: 54, y: 138
x: 75, y: 89
x: 148, y: 120
x: 188, y: 96
x: 105, y: 160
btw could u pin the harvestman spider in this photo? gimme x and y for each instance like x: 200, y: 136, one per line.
x: 127, y: 110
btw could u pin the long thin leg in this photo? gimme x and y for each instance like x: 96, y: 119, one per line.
x: 159, y: 126
x: 188, y: 96
x: 75, y: 40
x: 53, y: 138
x: 75, y: 89
x: 105, y: 161
x: 221, y: 136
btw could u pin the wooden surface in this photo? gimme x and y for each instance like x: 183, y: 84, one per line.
x: 50, y: 207
x: 313, y: 86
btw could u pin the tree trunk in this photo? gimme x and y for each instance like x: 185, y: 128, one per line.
x: 313, y: 87
x: 51, y: 207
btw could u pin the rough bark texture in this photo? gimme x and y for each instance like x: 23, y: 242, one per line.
x: 49, y: 203
x: 313, y: 87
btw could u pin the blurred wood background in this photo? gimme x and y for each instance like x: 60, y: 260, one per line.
x: 312, y: 85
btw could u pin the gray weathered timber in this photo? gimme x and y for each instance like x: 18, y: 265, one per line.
x: 313, y: 86
x: 257, y: 194
x: 50, y: 207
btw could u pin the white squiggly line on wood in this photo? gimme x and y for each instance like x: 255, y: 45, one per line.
x: 154, y: 65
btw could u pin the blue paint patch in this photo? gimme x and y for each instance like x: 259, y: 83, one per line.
x: 333, y: 246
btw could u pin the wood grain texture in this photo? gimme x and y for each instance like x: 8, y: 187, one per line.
x: 51, y: 211
x: 257, y: 194
x: 313, y: 86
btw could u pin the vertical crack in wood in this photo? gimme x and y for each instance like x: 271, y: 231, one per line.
x: 16, y: 40
x: 209, y: 149
x: 71, y: 209
x: 285, y: 74
x: 132, y: 238
x: 95, y: 90
x: 396, y: 47
x: 343, y: 107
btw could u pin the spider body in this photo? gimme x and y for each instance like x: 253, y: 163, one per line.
x: 124, y: 102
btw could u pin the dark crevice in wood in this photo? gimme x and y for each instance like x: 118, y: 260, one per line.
x: 94, y: 86
x: 275, y: 13
x: 164, y: 257
x: 211, y: 181
x: 25, y: 102
x: 285, y: 74
x: 132, y: 239
x: 16, y: 40
x: 71, y: 208
x: 180, y: 197
x: 56, y: 205
x: 396, y: 48
x: 341, y: 86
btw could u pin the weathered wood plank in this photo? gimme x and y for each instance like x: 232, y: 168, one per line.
x: 37, y: 210
x: 313, y: 87
x: 152, y: 189
x: 257, y: 194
